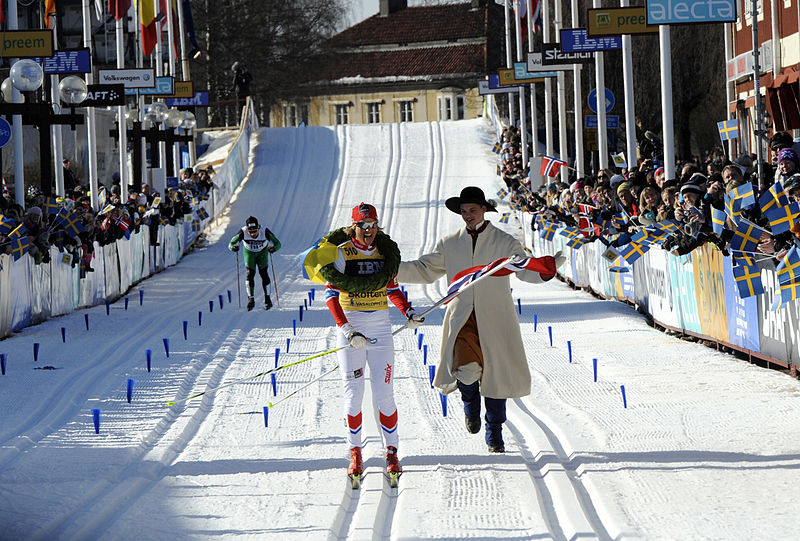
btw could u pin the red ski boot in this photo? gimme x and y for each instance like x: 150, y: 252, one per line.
x: 356, y: 467
x: 393, y: 467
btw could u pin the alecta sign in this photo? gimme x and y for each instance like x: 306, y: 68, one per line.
x: 690, y: 11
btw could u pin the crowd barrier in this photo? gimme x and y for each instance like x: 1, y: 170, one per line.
x: 695, y: 294
x: 31, y: 293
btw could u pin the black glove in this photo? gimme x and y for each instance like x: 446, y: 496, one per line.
x: 234, y: 248
x: 271, y: 249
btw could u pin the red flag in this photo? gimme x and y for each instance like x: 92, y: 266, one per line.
x: 550, y: 166
x: 119, y: 8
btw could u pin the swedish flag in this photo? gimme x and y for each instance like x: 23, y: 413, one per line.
x: 6, y: 225
x: 789, y: 268
x: 19, y: 246
x: 717, y: 220
x: 632, y: 251
x: 728, y: 129
x: 776, y: 195
x: 504, y: 218
x: 548, y: 230
x: 746, y: 236
x: 320, y: 254
x: 50, y: 205
x: 781, y: 219
x: 195, y: 225
x: 748, y: 280
x: 570, y: 232
x: 202, y: 213
x: 576, y: 242
x: 497, y: 147
x: 502, y: 193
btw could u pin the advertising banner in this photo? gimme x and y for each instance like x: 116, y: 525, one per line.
x: 742, y: 313
x: 682, y: 273
x: 709, y: 285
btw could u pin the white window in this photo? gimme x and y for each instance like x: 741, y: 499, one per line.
x: 406, y: 110
x: 374, y: 113
x: 452, y: 104
x: 290, y: 115
x: 342, y: 113
x: 445, y: 108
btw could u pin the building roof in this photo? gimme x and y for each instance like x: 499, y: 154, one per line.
x: 410, y: 63
x: 416, y: 24
x: 426, y: 43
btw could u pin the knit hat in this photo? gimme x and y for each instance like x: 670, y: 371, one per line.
x: 616, y: 180
x: 624, y: 186
x: 788, y: 154
x: 35, y: 210
x: 696, y: 184
x: 364, y: 211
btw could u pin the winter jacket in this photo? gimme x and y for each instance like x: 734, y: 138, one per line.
x: 505, y: 373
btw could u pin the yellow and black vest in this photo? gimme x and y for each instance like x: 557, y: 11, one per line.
x: 359, y: 264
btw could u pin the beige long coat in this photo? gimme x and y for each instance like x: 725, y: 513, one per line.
x: 505, y: 373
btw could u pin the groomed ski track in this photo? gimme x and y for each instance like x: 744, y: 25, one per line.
x: 210, y: 468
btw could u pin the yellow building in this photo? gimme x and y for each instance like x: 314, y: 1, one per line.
x: 404, y: 64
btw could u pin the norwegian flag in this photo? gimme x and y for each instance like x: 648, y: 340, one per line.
x: 550, y: 166
x: 545, y: 266
x: 585, y: 223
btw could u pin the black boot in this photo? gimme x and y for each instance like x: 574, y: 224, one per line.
x: 250, y: 303
x: 470, y: 395
x: 267, y: 303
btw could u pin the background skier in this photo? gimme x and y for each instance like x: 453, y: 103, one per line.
x: 258, y: 245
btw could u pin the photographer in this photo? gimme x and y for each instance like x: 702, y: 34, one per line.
x: 241, y: 83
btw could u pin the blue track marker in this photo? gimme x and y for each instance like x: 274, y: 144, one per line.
x: 129, y: 390
x: 96, y: 420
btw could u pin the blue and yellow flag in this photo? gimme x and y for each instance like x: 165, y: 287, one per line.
x: 632, y: 251
x: 497, y: 147
x: 746, y: 236
x: 502, y: 193
x: 776, y: 195
x: 728, y: 129
x: 196, y: 225
x: 547, y: 230
x: 202, y: 213
x: 748, y: 280
x: 717, y: 220
x: 6, y: 225
x: 320, y: 254
x: 504, y: 218
x: 19, y: 246
x: 789, y: 268
x: 781, y: 219
x: 50, y: 205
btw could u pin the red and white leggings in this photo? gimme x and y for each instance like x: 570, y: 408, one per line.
x: 352, y: 364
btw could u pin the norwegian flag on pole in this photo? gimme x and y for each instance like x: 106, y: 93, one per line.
x: 550, y: 166
x: 545, y: 266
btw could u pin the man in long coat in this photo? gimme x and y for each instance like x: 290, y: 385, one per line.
x: 482, y: 352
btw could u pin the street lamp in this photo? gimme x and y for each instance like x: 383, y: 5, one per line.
x: 72, y: 90
x: 189, y: 121
x: 173, y: 118
x: 26, y: 75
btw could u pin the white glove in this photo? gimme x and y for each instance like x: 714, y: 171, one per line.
x: 414, y: 320
x: 356, y: 339
x: 560, y: 258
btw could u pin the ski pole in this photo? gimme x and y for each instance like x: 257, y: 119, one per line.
x: 238, y: 280
x: 277, y: 299
x: 271, y: 404
x: 261, y: 374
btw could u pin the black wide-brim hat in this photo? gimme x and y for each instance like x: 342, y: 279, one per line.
x: 470, y: 194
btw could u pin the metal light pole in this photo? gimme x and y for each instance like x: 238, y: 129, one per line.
x: 16, y: 122
x: 757, y: 93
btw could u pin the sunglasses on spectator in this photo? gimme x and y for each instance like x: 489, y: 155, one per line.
x: 367, y: 225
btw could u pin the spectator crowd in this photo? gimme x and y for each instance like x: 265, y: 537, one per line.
x: 71, y: 225
x: 713, y: 200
